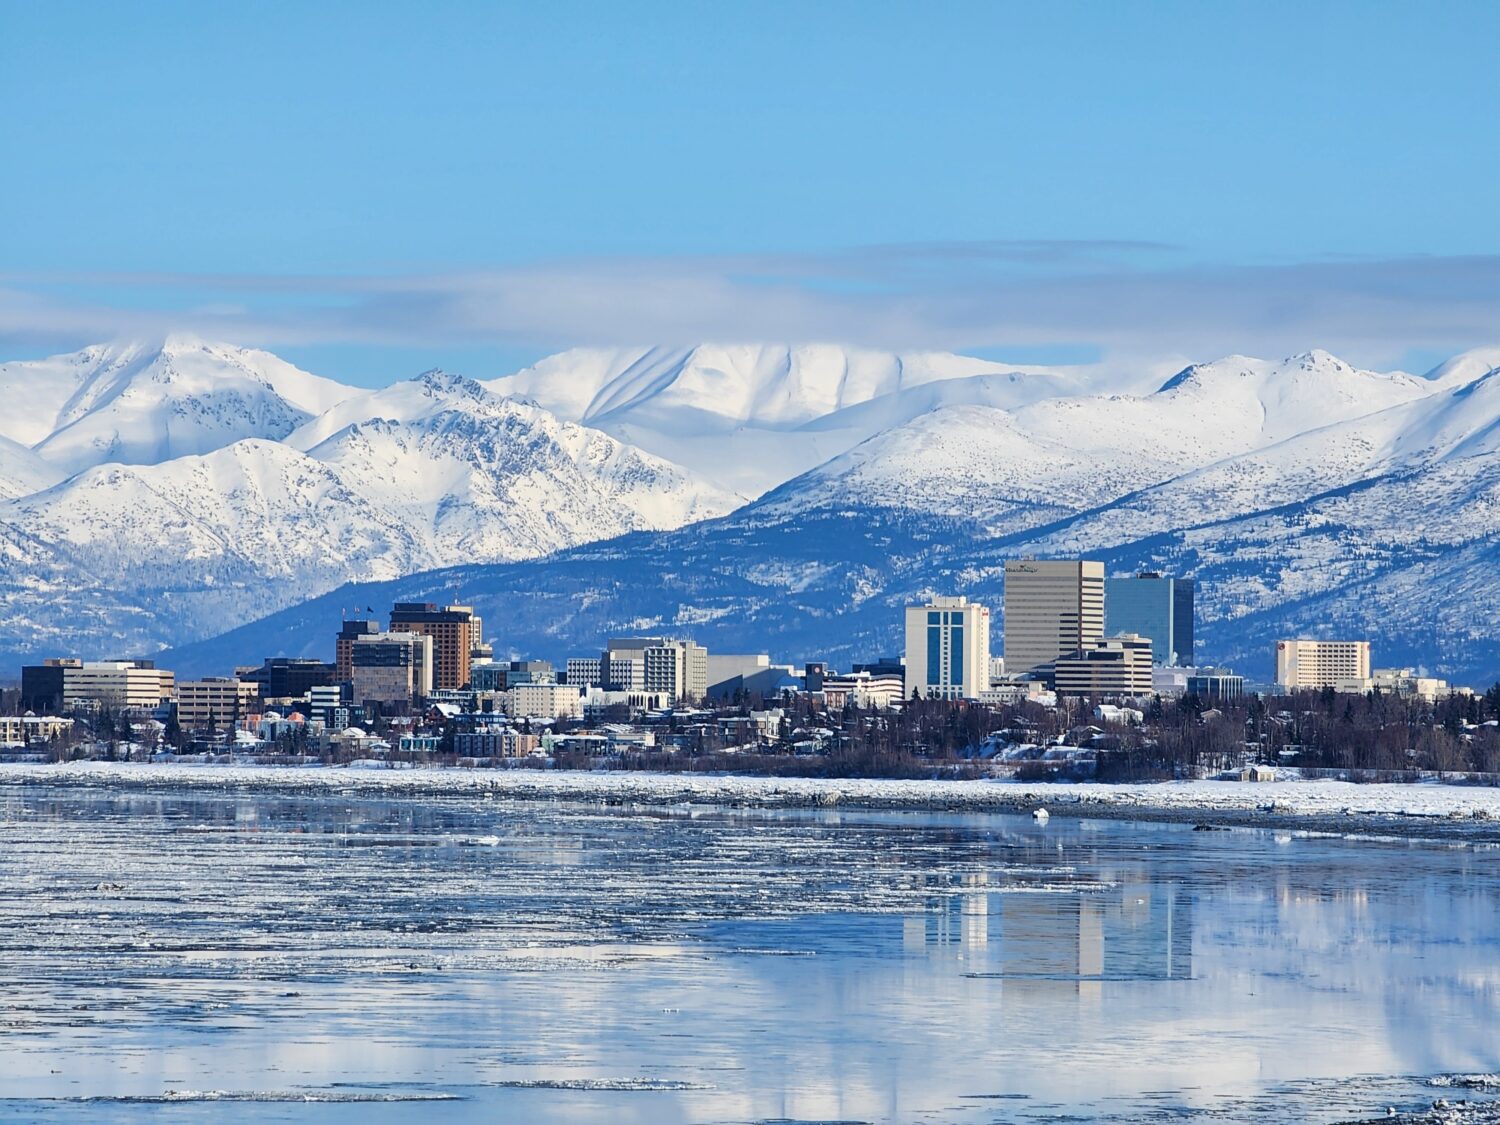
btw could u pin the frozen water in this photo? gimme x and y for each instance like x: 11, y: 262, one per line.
x: 235, y: 953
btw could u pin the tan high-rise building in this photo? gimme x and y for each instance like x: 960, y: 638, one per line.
x: 1320, y: 664
x: 453, y: 632
x: 1053, y: 608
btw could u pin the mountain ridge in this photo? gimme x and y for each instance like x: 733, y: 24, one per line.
x: 1229, y: 471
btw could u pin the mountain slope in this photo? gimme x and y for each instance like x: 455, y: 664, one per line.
x: 143, y: 404
x: 22, y: 471
x: 259, y: 524
x: 1041, y: 462
x: 750, y: 417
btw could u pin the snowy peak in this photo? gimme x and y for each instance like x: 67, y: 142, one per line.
x: 728, y: 386
x: 1299, y: 393
x: 412, y: 401
x: 749, y: 417
x: 143, y: 403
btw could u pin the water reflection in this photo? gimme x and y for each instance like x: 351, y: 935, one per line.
x: 569, y: 962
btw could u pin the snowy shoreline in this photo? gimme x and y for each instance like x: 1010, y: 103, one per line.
x: 1472, y: 812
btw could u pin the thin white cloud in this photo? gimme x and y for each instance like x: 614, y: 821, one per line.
x: 1132, y: 301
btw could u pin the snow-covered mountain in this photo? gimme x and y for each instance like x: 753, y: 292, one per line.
x: 1059, y: 457
x: 141, y: 404
x: 22, y: 471
x: 751, y: 416
x: 378, y: 484
x: 1306, y: 496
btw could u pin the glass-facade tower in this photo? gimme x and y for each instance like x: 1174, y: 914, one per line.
x: 1156, y: 607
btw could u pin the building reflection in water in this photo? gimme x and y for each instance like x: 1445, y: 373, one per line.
x: 1052, y: 936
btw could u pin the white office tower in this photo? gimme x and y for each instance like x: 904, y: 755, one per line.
x: 947, y: 649
x: 1053, y: 608
x: 1320, y: 664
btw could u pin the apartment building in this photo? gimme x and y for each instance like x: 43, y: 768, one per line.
x: 546, y: 701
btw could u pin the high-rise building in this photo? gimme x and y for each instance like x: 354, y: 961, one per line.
x: 1320, y: 664
x: 677, y: 669
x: 391, y: 669
x: 1053, y: 608
x: 343, y: 647
x: 1111, y: 666
x: 622, y: 664
x: 453, y: 632
x: 1158, y: 608
x: 947, y: 649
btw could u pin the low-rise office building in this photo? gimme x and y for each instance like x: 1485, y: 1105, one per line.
x: 216, y: 703
x: 61, y: 685
x: 1112, y: 666
x: 1313, y: 665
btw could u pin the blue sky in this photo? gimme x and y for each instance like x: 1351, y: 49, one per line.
x: 372, y: 188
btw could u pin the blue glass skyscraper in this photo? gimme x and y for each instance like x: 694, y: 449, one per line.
x: 1155, y: 607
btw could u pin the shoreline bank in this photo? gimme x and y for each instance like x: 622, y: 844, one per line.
x: 1444, y: 812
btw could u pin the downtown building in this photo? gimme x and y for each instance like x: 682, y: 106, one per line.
x: 947, y: 649
x: 674, y: 669
x: 1314, y: 665
x: 390, y: 670
x: 1053, y: 608
x: 1110, y: 667
x: 455, y: 632
x: 55, y: 686
x: 215, y: 703
x: 1157, y: 608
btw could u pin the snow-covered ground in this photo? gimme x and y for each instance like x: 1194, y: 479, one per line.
x: 1321, y: 799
